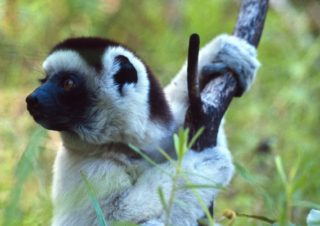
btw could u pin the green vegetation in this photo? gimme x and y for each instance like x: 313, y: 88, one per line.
x: 273, y: 130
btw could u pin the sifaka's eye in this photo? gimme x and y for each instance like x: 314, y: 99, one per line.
x: 68, y: 84
x: 43, y: 80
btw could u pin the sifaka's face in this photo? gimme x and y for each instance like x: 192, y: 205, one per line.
x: 94, y: 88
x: 66, y: 94
x: 70, y: 88
x: 60, y: 102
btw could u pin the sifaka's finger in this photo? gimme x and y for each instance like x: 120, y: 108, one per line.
x: 211, y: 71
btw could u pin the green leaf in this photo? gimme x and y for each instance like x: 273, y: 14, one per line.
x: 195, y: 137
x: 244, y: 173
x: 148, y: 159
x: 182, y: 143
x: 165, y: 154
x: 123, y: 223
x: 196, y: 186
x: 176, y: 142
x: 162, y: 199
x: 280, y: 169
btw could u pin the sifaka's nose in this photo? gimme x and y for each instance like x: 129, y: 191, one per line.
x: 32, y: 101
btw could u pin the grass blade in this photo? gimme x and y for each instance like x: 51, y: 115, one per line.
x: 165, y: 154
x: 148, y: 159
x: 94, y: 200
x: 24, y: 169
x: 195, y: 137
x: 162, y: 199
x: 280, y: 170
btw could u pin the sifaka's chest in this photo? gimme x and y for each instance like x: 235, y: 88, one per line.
x: 107, y: 174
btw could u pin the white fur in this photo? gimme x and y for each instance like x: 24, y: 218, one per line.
x: 66, y: 60
x: 125, y: 193
x: 127, y: 188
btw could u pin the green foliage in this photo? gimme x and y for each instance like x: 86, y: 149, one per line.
x: 25, y: 166
x: 282, y: 106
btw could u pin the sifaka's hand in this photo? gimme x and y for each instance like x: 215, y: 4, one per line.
x: 230, y: 54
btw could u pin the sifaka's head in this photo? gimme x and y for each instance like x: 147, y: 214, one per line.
x: 100, y: 91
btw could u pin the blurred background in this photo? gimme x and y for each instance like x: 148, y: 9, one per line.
x: 273, y: 130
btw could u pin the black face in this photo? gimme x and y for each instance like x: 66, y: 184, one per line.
x: 60, y: 102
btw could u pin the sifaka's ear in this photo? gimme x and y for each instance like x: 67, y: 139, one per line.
x: 126, y: 74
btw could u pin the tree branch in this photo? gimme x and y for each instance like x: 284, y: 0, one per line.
x: 217, y: 95
x: 251, y: 20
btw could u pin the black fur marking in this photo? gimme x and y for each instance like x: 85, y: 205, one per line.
x: 126, y: 74
x: 90, y: 49
x: 159, y: 108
